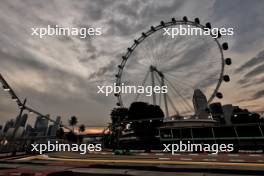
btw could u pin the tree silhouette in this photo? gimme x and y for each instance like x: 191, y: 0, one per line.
x: 137, y: 110
x: 118, y: 114
x: 142, y: 110
x: 71, y: 137
x: 146, y: 130
x: 82, y: 128
x: 154, y: 111
x: 60, y: 133
x: 73, y: 121
x: 244, y: 116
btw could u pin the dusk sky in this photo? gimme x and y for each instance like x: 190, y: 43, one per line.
x: 59, y: 75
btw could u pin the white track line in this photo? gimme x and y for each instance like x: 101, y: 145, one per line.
x: 177, y: 154
x: 211, y: 154
x: 159, y: 154
x: 186, y: 159
x: 255, y: 155
x: 209, y: 159
x: 236, y: 160
x: 233, y: 155
x: 164, y: 158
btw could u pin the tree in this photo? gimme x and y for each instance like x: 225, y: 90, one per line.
x: 73, y: 121
x: 244, y: 116
x: 118, y: 114
x: 143, y: 129
x: 154, y: 111
x: 137, y: 111
x: 60, y: 133
x: 142, y: 110
x: 71, y: 137
x: 81, y: 128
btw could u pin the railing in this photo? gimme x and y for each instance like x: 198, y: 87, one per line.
x: 239, y: 134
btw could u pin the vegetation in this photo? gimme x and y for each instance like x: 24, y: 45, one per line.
x: 81, y: 128
x: 145, y: 130
x: 60, y: 133
x: 118, y: 114
x: 71, y: 137
x: 142, y: 110
x: 244, y: 116
x: 73, y: 121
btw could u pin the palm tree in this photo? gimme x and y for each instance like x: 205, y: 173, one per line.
x: 82, y: 128
x: 73, y: 121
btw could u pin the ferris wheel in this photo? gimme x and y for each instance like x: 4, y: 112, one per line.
x: 183, y: 63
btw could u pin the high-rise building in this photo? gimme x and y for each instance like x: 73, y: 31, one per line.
x: 58, y: 121
x: 1, y: 131
x: 20, y: 131
x: 41, y: 126
x: 10, y: 132
x: 52, y: 130
x: 21, y: 120
x: 29, y: 130
x: 200, y: 104
x: 8, y: 124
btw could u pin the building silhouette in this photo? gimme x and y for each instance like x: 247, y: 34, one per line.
x: 21, y: 120
x: 200, y: 104
x: 9, y: 124
x: 41, y: 126
x: 29, y: 130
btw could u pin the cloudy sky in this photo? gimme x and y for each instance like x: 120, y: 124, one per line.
x: 59, y: 75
